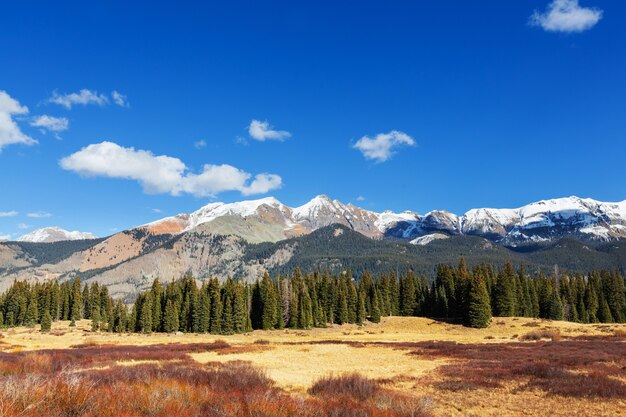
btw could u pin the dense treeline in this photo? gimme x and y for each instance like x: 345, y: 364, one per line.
x: 318, y: 299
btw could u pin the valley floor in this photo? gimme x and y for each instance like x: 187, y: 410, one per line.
x: 516, y: 367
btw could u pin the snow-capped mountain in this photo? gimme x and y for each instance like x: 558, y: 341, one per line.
x: 542, y: 221
x: 54, y: 234
x: 218, y: 240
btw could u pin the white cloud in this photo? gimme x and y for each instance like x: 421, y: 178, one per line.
x: 360, y: 198
x: 156, y: 210
x: 53, y: 124
x: 165, y: 174
x: 23, y: 226
x: 5, y: 237
x: 120, y: 99
x: 39, y: 215
x: 262, y: 131
x: 8, y: 213
x: 382, y: 147
x: 10, y: 132
x: 566, y: 16
x: 200, y: 144
x: 84, y: 97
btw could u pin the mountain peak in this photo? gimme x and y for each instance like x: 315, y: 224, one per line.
x: 54, y: 234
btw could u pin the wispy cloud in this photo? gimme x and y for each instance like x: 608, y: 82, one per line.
x: 23, y: 226
x: 382, y: 147
x: 165, y: 174
x: 360, y: 198
x: 39, y: 215
x: 120, y: 99
x: 8, y: 213
x: 156, y: 210
x: 83, y: 97
x: 53, y: 124
x: 200, y: 144
x: 262, y: 131
x: 5, y: 237
x: 10, y: 132
x: 566, y: 16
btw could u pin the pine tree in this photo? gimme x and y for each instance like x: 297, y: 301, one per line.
x: 215, y: 325
x: 145, y: 314
x: 361, y: 311
x: 95, y: 319
x: 76, y: 301
x: 46, y: 321
x: 479, y: 308
x: 604, y: 312
x: 269, y: 303
x: 157, y: 313
x: 240, y: 311
x: 343, y: 309
x: 408, y: 302
x: 375, y: 316
x: 555, y: 311
x: 170, y: 322
x: 32, y: 313
x: 227, y: 315
x: 305, y: 317
x: 504, y: 292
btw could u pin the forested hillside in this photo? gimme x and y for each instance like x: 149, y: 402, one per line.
x: 470, y: 296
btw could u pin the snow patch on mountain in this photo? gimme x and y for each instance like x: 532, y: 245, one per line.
x: 425, y: 240
x: 54, y: 234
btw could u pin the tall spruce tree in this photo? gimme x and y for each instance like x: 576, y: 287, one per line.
x: 479, y: 308
x: 46, y: 321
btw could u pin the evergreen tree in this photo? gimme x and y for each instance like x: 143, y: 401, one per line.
x: 170, y: 321
x: 343, y: 309
x: 479, y: 308
x: 408, y: 301
x: 604, y: 312
x: 95, y: 319
x: 269, y: 304
x: 76, y: 301
x: 375, y: 316
x: 145, y: 314
x: 361, y: 311
x: 504, y: 292
x: 157, y: 300
x: 215, y: 325
x: 556, y: 306
x: 46, y: 321
x: 32, y: 313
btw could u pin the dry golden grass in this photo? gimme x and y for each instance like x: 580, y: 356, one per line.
x: 295, y: 360
x: 391, y: 329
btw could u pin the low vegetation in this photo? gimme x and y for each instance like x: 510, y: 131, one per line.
x: 403, y: 366
x: 91, y: 381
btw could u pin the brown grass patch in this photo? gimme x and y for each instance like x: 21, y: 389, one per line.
x: 535, y: 335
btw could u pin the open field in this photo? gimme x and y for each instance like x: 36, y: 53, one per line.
x: 414, y: 366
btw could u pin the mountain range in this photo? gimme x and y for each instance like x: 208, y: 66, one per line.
x: 243, y: 239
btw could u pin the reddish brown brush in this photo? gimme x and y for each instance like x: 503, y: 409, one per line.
x: 352, y: 385
x: 575, y: 368
x: 72, y: 383
x: 553, y: 335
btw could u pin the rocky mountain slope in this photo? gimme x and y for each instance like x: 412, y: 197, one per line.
x: 245, y: 238
x: 269, y: 220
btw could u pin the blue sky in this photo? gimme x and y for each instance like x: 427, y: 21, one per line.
x: 415, y: 105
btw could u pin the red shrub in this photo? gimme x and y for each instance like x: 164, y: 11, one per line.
x: 351, y: 385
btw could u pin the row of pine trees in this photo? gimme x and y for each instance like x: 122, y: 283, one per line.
x: 303, y: 301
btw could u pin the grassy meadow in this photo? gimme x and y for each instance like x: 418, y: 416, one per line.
x: 404, y: 366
